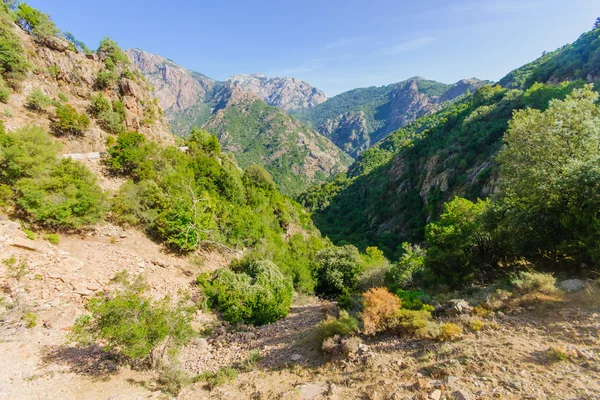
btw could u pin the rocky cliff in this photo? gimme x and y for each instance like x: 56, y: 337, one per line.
x: 357, y: 119
x: 65, y: 76
x: 189, y: 98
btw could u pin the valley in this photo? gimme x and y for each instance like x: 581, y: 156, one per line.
x: 166, y: 235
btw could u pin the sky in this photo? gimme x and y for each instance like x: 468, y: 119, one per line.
x: 334, y: 45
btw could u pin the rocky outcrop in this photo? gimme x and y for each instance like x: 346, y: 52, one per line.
x: 189, y: 98
x: 370, y: 114
x: 69, y: 76
x: 289, y: 94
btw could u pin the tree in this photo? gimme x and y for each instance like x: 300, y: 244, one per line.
x: 337, y: 269
x: 597, y: 23
x: 549, y: 182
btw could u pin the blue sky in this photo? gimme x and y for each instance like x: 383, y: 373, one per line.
x: 334, y: 45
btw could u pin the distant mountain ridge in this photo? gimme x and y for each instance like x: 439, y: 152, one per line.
x: 357, y: 119
x: 188, y: 97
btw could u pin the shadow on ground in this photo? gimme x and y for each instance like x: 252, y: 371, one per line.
x: 86, y: 360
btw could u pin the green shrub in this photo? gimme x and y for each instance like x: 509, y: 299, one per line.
x: 111, y: 122
x: 13, y: 62
x: 36, y: 22
x: 63, y: 97
x: 449, y: 331
x: 413, y: 323
x: 127, y: 321
x: 30, y: 234
x: 337, y: 269
x: 529, y: 282
x: 345, y: 325
x: 99, y: 104
x: 259, y: 296
x: 402, y: 272
x: 219, y: 378
x: 258, y: 176
x: 413, y: 300
x: 37, y: 100
x: 4, y: 91
x: 69, y: 121
x: 52, y: 238
x: 30, y: 320
x: 109, y: 49
x: 14, y: 269
x: 130, y: 156
x: 105, y: 79
x: 67, y: 197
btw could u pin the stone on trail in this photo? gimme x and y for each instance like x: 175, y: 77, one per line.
x: 571, y: 285
x: 309, y: 391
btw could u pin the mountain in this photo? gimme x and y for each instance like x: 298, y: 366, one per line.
x: 396, y: 187
x: 248, y: 115
x: 357, y: 119
x: 294, y: 154
x: 188, y: 97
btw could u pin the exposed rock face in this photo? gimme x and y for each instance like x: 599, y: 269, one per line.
x: 177, y: 89
x: 189, y: 98
x: 370, y: 114
x: 289, y: 94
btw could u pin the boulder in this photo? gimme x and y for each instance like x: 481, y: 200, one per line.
x: 461, y: 395
x: 571, y: 285
x: 457, y: 307
x: 55, y: 43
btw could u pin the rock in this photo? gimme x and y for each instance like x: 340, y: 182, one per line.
x: 129, y: 87
x: 461, y: 395
x: 435, y: 395
x: 295, y: 357
x: 451, y: 381
x: 91, y: 56
x: 25, y: 244
x: 160, y: 263
x: 55, y: 43
x: 81, y: 289
x: 571, y: 285
x: 309, y: 391
x: 457, y: 307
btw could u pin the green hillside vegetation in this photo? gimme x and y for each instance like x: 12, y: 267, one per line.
x: 261, y: 134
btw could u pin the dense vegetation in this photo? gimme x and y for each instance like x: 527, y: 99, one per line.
x: 261, y: 134
x: 374, y: 106
x: 44, y: 188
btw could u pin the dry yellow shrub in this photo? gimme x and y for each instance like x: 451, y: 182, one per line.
x: 379, y: 306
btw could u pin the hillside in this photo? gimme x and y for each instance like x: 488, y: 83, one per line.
x: 359, y: 118
x: 294, y: 154
x: 395, y: 188
x: 58, y: 76
x: 188, y: 97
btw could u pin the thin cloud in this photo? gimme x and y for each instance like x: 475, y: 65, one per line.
x: 411, y: 45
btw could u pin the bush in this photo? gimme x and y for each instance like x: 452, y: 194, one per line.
x: 529, y: 282
x: 37, y: 100
x: 36, y: 22
x: 345, y: 325
x: 414, y: 323
x: 13, y: 63
x: 4, y: 91
x: 99, y: 104
x: 30, y: 234
x: 52, y: 238
x: 69, y: 121
x: 109, y: 49
x: 411, y: 262
x: 449, y: 331
x: 219, y: 378
x: 68, y: 197
x: 476, y: 324
x: 105, y: 79
x: 260, y: 296
x: 256, y: 175
x: 131, y: 323
x: 337, y: 269
x: 413, y: 300
x: 111, y: 122
x: 379, y: 307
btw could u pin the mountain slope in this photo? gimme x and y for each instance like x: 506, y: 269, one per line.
x: 60, y: 77
x: 294, y: 154
x: 396, y: 187
x: 357, y: 119
x: 188, y: 97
